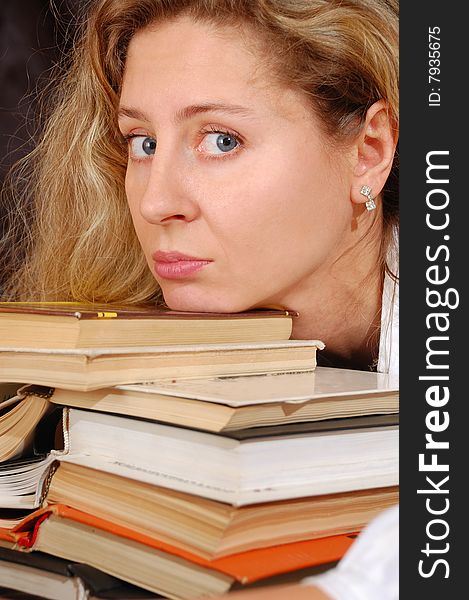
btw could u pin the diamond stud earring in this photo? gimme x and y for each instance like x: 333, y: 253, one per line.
x: 370, y: 203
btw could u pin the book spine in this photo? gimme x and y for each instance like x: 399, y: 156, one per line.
x: 45, y: 481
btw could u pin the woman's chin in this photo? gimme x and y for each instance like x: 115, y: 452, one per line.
x: 196, y: 302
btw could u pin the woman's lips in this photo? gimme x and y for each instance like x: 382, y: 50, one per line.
x: 174, y: 265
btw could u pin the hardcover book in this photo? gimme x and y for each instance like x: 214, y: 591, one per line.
x: 54, y: 578
x: 225, y: 404
x: 74, y: 325
x: 236, y: 471
x: 147, y: 562
x: 93, y: 368
x: 206, y: 527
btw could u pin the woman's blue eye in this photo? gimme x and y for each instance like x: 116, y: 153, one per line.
x: 142, y: 146
x: 226, y: 142
x: 218, y: 143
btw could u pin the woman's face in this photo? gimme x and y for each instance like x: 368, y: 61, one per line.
x: 235, y: 197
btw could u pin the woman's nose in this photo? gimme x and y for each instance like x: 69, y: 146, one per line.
x: 169, y: 194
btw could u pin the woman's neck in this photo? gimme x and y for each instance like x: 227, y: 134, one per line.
x: 341, y: 305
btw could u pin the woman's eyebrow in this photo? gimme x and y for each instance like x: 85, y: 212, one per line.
x: 132, y: 113
x: 196, y: 109
x: 189, y: 111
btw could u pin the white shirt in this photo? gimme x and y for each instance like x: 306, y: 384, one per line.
x: 388, y: 357
x: 370, y: 568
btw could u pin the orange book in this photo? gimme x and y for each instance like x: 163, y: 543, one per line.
x: 157, y: 566
x: 209, y: 528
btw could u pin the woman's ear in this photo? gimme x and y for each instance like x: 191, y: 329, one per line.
x: 374, y: 154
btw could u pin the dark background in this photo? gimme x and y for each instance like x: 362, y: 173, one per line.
x: 33, y: 36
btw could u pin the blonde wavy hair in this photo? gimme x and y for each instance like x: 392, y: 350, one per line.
x: 69, y: 234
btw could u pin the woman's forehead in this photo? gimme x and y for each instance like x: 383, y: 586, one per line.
x: 181, y: 47
x: 186, y: 63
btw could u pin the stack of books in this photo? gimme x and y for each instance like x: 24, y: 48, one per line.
x: 85, y: 348
x: 217, y: 458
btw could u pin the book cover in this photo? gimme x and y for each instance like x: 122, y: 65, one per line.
x: 235, y: 403
x: 244, y: 567
x: 79, y: 310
